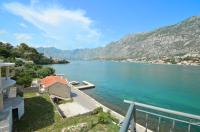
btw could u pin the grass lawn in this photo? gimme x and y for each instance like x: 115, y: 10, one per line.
x: 41, y: 115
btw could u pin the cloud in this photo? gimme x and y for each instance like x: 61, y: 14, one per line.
x: 23, y: 25
x: 33, y: 2
x: 2, y: 32
x: 22, y: 37
x: 67, y: 28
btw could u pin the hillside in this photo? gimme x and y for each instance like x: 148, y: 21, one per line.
x: 25, y: 53
x: 28, y: 63
x: 178, y: 43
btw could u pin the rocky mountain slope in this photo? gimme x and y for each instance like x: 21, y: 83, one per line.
x: 178, y: 43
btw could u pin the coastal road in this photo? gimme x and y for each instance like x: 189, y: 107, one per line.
x: 83, y: 99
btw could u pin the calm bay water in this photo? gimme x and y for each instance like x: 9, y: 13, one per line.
x: 169, y: 86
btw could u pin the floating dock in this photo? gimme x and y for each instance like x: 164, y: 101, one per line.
x: 86, y: 85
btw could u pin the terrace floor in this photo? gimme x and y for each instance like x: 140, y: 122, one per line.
x: 81, y: 104
x: 71, y: 109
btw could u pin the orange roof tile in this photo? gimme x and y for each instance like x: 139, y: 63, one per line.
x: 50, y: 80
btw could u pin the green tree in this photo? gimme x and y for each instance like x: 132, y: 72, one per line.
x: 45, y: 71
x: 24, y: 80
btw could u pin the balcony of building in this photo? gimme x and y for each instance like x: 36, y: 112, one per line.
x: 5, y: 74
x: 6, y: 83
x: 158, y: 119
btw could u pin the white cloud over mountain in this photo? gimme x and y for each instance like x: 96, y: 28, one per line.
x: 67, y: 28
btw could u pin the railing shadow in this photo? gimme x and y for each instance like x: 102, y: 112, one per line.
x: 73, y: 94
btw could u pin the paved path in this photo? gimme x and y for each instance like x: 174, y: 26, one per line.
x: 81, y: 104
x: 83, y: 99
x: 71, y: 109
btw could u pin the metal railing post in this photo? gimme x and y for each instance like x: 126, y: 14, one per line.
x: 173, y: 125
x: 146, y: 122
x: 189, y: 126
x: 134, y: 117
x: 129, y: 120
x: 158, y: 127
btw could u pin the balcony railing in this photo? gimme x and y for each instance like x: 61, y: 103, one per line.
x: 173, y: 117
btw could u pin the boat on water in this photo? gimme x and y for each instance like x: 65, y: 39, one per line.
x: 74, y: 82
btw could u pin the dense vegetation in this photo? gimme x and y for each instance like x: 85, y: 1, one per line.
x: 28, y: 62
x: 24, y: 52
x: 24, y: 73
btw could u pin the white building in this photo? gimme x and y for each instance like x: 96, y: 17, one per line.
x: 11, y: 106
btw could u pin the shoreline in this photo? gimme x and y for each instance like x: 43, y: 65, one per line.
x: 98, y: 104
x: 105, y: 108
x: 115, y: 114
x: 142, y: 62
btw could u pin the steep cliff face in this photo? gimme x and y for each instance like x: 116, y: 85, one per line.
x: 173, y: 41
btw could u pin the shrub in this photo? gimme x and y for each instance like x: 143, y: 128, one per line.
x: 103, y: 118
x: 112, y: 118
x: 97, y: 110
x: 90, y: 125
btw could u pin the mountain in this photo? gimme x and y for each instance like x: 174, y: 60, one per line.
x: 52, y: 52
x: 178, y: 43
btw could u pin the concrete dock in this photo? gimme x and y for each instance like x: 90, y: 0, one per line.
x: 86, y: 85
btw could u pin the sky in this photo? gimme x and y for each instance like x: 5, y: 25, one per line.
x: 77, y: 24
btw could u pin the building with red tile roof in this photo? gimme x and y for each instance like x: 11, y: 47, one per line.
x: 50, y: 80
x: 56, y: 86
